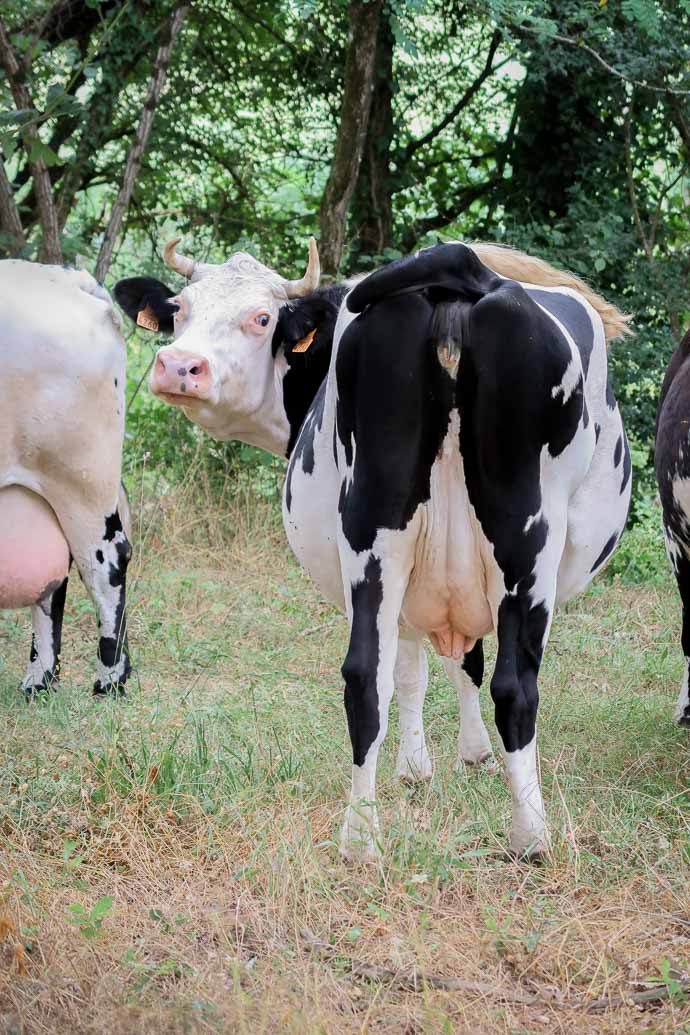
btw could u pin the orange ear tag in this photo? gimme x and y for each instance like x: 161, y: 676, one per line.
x: 305, y: 343
x: 147, y: 318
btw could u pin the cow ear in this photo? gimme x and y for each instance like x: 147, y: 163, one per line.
x: 147, y: 301
x: 306, y: 327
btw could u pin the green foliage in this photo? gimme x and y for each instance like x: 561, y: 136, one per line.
x: 641, y: 555
x: 90, y: 921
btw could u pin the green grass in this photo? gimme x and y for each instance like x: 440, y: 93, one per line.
x: 169, y: 861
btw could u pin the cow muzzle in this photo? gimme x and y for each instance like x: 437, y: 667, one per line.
x: 181, y: 375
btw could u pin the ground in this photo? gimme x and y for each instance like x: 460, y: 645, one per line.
x: 169, y: 861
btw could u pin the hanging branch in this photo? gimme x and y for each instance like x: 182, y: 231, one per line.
x: 467, y: 96
x: 136, y: 153
x: 50, y: 250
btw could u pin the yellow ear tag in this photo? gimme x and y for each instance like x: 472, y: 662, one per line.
x: 305, y: 343
x: 147, y: 318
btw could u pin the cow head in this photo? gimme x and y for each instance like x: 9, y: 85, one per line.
x: 221, y: 369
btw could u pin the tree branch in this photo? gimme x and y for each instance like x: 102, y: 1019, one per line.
x: 136, y: 153
x: 469, y: 93
x: 50, y: 234
x: 644, y: 241
x: 462, y: 201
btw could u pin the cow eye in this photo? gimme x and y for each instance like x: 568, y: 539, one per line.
x: 263, y: 319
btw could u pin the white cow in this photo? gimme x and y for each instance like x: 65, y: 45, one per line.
x: 62, y: 413
x: 458, y: 466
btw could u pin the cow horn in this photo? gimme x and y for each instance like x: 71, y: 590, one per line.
x: 310, y: 281
x: 178, y: 262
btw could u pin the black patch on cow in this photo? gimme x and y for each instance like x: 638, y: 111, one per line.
x: 573, y: 315
x: 610, y: 397
x: 306, y: 370
x: 514, y: 689
x: 585, y: 414
x: 115, y: 382
x: 627, y: 464
x: 99, y: 556
x: 597, y: 431
x: 394, y: 401
x: 136, y: 293
x: 618, y: 451
x: 606, y: 552
x: 473, y: 663
x: 361, y: 663
x: 33, y: 653
x: 304, y: 448
x: 113, y: 525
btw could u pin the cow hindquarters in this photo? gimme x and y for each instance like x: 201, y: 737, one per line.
x: 375, y: 582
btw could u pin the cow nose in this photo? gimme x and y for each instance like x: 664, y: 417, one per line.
x: 181, y: 373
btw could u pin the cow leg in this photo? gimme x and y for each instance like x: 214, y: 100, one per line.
x: 43, y: 670
x: 682, y: 572
x: 522, y: 628
x: 411, y: 677
x: 474, y: 746
x: 376, y: 584
x: 101, y: 551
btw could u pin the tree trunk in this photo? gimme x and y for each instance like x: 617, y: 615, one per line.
x: 50, y: 250
x: 363, y: 21
x: 136, y: 153
x: 372, y: 208
x: 10, y: 221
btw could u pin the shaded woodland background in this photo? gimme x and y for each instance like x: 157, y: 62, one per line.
x: 559, y: 127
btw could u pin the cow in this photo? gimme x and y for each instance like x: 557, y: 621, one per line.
x: 457, y: 466
x: 62, y: 413
x: 672, y: 461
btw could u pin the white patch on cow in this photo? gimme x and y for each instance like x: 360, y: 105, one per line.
x: 528, y: 833
x: 683, y: 701
x: 681, y: 494
x: 571, y: 377
x: 532, y: 520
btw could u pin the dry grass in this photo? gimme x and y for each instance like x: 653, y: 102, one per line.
x: 206, y: 806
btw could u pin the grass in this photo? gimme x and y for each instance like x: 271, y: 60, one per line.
x: 169, y: 862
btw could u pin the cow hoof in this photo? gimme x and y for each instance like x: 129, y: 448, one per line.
x: 414, y: 768
x: 38, y: 691
x: 116, y: 690
x: 684, y: 721
x: 535, y: 851
x: 359, y: 840
x: 485, y: 762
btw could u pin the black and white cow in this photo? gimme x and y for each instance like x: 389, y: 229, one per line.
x: 62, y: 412
x: 672, y: 456
x: 458, y: 466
